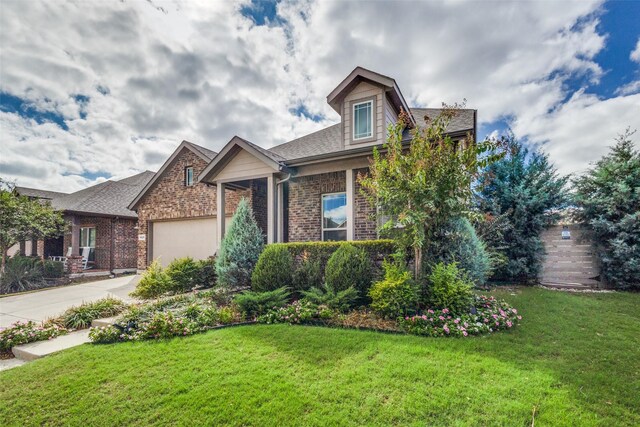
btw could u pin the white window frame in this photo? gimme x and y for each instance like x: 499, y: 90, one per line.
x: 322, y: 228
x: 186, y: 176
x: 353, y: 115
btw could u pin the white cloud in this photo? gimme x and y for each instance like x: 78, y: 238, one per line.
x: 635, y: 54
x: 200, y: 71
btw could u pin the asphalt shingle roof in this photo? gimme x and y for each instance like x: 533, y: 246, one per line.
x: 107, y: 198
x: 210, y: 154
x: 39, y: 194
x: 328, y: 140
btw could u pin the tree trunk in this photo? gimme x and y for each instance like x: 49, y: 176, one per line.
x: 417, y: 262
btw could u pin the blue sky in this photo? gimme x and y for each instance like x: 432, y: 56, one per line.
x: 103, y: 91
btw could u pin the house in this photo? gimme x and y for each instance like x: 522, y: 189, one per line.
x: 303, y: 190
x: 101, y: 225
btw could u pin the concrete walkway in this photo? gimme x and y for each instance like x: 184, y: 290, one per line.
x: 41, y: 305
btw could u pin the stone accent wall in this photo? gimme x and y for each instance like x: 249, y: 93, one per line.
x: 171, y: 199
x: 365, y: 224
x: 305, y: 210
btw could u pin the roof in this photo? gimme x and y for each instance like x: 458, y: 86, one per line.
x: 107, y: 198
x: 328, y: 140
x: 39, y: 194
x: 204, y: 153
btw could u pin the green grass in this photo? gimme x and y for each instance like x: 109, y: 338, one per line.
x: 575, y: 359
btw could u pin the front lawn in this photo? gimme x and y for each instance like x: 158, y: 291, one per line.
x: 574, y: 360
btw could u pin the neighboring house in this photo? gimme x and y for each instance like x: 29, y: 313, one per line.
x: 101, y: 225
x: 302, y: 190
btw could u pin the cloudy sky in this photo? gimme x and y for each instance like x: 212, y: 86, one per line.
x: 101, y: 90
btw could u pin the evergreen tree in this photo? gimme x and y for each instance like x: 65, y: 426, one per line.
x: 608, y: 196
x: 526, y: 189
x: 240, y: 249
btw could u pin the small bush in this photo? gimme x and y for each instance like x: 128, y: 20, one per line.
x: 298, y: 312
x: 349, y: 267
x: 153, y: 283
x: 449, y: 289
x: 52, y: 269
x: 253, y: 304
x: 26, y: 332
x: 21, y: 274
x: 82, y: 316
x: 206, y: 275
x: 339, y: 301
x: 396, y: 295
x: 308, y: 275
x: 182, y: 274
x: 105, y: 335
x: 239, y: 249
x: 273, y: 270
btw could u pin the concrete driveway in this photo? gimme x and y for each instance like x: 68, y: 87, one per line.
x: 48, y: 303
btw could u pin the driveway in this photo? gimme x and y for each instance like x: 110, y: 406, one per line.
x: 48, y: 303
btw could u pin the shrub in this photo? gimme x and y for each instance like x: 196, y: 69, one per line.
x: 489, y: 315
x: 298, y: 312
x: 349, y: 266
x: 239, y: 249
x: 449, y: 289
x: 105, y: 335
x: 82, y: 316
x: 396, y: 295
x: 167, y: 325
x: 153, y: 283
x: 273, y: 270
x: 458, y: 242
x: 308, y: 275
x: 253, y: 304
x: 206, y: 274
x: 26, y: 332
x: 21, y: 274
x: 182, y: 274
x: 335, y: 300
x: 52, y: 269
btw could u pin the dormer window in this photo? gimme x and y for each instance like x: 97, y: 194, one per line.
x: 362, y: 120
x: 188, y: 176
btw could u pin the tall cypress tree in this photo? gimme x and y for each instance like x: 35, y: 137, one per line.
x: 525, y: 188
x: 240, y: 249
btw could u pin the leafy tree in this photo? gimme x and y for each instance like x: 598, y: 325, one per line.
x: 240, y: 249
x: 609, y: 198
x: 423, y: 185
x: 526, y: 188
x: 22, y: 218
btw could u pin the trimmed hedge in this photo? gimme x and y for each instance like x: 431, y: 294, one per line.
x: 273, y: 270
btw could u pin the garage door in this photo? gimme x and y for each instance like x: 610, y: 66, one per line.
x: 175, y: 239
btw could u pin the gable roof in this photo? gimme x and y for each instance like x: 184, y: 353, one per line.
x: 328, y: 140
x: 204, y: 153
x: 38, y: 194
x: 236, y: 144
x: 360, y: 74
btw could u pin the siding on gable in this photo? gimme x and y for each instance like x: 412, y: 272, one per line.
x: 364, y: 90
x: 390, y: 116
x: 243, y: 165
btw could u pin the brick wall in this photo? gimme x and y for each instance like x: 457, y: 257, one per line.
x: 365, y: 224
x: 305, y: 222
x: 171, y: 199
x: 125, y: 244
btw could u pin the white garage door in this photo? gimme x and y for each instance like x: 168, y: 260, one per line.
x: 195, y: 238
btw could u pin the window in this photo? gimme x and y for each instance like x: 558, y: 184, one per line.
x: 88, y: 242
x: 188, y: 176
x: 362, y: 120
x: 334, y: 216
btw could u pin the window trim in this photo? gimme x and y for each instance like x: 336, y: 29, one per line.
x: 373, y: 137
x: 322, y: 227
x: 186, y: 176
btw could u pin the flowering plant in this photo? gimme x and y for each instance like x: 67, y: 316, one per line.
x: 297, y: 312
x: 488, y: 315
x: 26, y: 332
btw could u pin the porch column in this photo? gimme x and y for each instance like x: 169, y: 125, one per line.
x: 220, y: 210
x: 280, y: 213
x: 75, y: 237
x: 34, y: 247
x: 271, y: 209
x: 350, y: 204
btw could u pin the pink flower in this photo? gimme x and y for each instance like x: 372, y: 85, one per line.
x: 430, y: 311
x: 519, y: 317
x: 441, y: 317
x: 456, y: 321
x: 465, y: 333
x: 445, y: 310
x: 509, y: 324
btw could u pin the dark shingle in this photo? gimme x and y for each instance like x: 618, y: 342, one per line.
x: 38, y: 194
